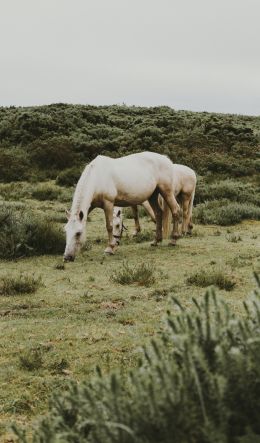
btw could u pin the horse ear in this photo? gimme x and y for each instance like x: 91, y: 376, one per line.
x: 81, y: 215
x: 67, y: 214
x: 118, y: 213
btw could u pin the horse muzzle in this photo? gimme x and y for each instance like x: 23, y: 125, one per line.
x: 67, y: 258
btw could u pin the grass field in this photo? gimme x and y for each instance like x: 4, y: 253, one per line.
x: 79, y: 317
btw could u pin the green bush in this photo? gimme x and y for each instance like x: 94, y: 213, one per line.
x: 23, y: 233
x: 69, y: 177
x: 199, y: 383
x: 233, y: 190
x: 14, y: 166
x: 225, y: 213
x: 52, y: 153
x: 16, y: 285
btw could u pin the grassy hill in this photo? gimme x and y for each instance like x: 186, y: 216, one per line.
x: 40, y: 142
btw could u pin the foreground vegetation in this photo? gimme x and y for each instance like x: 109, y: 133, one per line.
x: 199, y: 382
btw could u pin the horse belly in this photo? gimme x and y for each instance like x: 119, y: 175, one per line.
x: 135, y: 188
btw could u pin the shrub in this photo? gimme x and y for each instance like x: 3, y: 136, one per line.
x: 142, y: 274
x: 13, y: 166
x: 199, y: 382
x: 16, y: 285
x: 69, y: 177
x: 233, y: 190
x: 23, y: 233
x: 210, y: 277
x: 52, y: 153
x: 224, y: 213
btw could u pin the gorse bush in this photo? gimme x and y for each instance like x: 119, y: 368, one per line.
x: 23, y: 233
x: 208, y: 277
x: 19, y: 284
x: 199, y: 383
x: 14, y: 166
x: 225, y: 213
x: 69, y: 177
x: 143, y: 274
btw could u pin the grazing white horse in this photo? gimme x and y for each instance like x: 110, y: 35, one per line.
x: 184, y: 185
x: 124, y: 181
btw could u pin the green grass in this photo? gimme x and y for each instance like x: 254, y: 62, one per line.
x: 80, y: 316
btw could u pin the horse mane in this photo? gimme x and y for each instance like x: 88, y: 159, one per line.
x: 80, y: 191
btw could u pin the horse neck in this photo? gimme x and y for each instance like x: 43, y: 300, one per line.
x: 84, y: 192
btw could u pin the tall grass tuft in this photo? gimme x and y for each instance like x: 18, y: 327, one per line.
x: 212, y: 277
x: 19, y: 284
x: 46, y: 192
x: 143, y: 274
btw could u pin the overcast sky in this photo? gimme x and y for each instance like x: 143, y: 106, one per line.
x: 201, y: 55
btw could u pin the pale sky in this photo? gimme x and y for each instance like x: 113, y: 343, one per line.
x: 200, y: 55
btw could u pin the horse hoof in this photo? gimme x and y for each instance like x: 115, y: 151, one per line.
x: 109, y: 251
x: 172, y: 243
x: 154, y: 243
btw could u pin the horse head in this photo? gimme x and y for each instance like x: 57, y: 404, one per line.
x: 118, y: 225
x: 75, y: 235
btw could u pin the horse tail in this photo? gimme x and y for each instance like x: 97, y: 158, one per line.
x: 166, y: 217
x: 191, y: 203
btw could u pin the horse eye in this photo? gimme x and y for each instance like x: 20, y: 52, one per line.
x: 78, y: 234
x: 118, y: 226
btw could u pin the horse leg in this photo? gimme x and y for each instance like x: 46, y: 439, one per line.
x: 153, y: 200
x: 136, y: 219
x: 149, y: 211
x: 108, y: 209
x: 185, y: 215
x: 190, y: 224
x: 175, y: 210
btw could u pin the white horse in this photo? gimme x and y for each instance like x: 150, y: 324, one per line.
x: 125, y: 181
x: 184, y: 186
